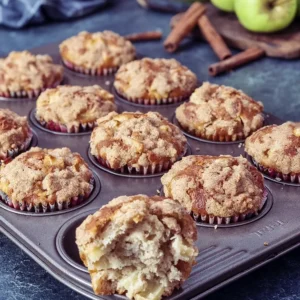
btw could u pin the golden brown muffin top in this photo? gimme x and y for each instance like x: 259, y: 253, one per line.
x: 276, y: 147
x: 155, y: 79
x: 222, y: 186
x: 136, y: 139
x: 23, y: 71
x: 220, y: 110
x: 74, y: 105
x: 45, y: 176
x: 105, y: 49
x: 138, y: 245
x: 133, y: 209
x: 14, y: 130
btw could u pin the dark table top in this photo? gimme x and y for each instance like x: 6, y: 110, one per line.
x: 275, y: 82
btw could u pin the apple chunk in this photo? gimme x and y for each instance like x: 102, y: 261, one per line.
x: 265, y: 15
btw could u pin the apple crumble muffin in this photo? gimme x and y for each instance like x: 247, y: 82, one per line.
x: 139, y: 246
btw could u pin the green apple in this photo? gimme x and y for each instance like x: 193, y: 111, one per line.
x: 226, y: 5
x: 298, y: 14
x: 265, y: 15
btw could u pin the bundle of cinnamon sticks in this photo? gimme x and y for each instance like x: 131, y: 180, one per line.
x: 194, y: 16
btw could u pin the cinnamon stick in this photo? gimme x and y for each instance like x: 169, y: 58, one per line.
x: 213, y: 38
x: 184, y: 26
x: 240, y: 59
x: 144, y: 36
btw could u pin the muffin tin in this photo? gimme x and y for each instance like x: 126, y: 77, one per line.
x: 227, y: 252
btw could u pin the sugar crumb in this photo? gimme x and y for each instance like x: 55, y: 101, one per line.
x: 266, y: 244
x: 215, y: 227
x: 107, y: 82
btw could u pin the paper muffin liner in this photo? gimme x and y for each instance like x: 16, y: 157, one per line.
x: 214, y: 220
x: 291, y: 177
x: 11, y: 153
x: 27, y: 94
x: 151, y: 101
x: 215, y: 137
x: 48, y: 207
x: 54, y: 126
x: 140, y: 170
x: 88, y: 71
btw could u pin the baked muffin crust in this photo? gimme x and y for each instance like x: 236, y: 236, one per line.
x: 138, y: 245
x: 136, y: 139
x: 23, y: 71
x: 74, y: 105
x: 98, y: 50
x: 276, y: 147
x: 221, y: 186
x: 14, y: 131
x: 46, y: 177
x: 220, y: 113
x: 155, y: 79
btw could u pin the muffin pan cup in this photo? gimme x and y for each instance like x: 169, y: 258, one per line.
x: 54, y: 126
x: 227, y: 251
x: 26, y: 94
x: 293, y: 178
x: 152, y: 170
x: 41, y: 207
x: 238, y: 219
x: 87, y: 71
x: 151, y: 101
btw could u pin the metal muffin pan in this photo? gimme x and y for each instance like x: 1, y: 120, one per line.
x: 226, y: 252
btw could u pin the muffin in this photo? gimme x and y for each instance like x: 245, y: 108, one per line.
x: 73, y: 109
x: 23, y: 74
x: 216, y: 189
x: 139, y: 246
x: 155, y: 81
x: 137, y: 143
x: 15, y: 134
x: 45, y: 180
x: 220, y: 113
x: 98, y: 53
x: 275, y: 150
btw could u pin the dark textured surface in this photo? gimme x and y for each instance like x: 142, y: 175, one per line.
x: 275, y: 82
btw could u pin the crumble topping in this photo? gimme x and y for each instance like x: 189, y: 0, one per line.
x: 276, y: 147
x: 23, y: 71
x: 136, y: 139
x: 42, y: 176
x: 215, y: 110
x: 74, y: 105
x: 155, y: 79
x: 222, y: 186
x: 97, y: 50
x: 138, y: 245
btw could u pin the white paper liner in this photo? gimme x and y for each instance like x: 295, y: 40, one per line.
x: 151, y: 101
x: 27, y: 94
x: 215, y: 137
x: 53, y: 126
x: 141, y: 170
x: 48, y: 207
x: 86, y: 71
x: 214, y: 220
x: 292, y: 177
